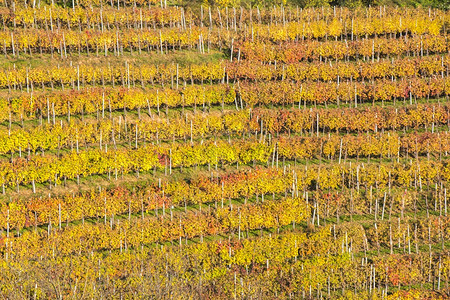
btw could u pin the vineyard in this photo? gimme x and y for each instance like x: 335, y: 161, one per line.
x: 153, y: 150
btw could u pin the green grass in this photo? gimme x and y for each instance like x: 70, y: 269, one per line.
x: 181, y: 57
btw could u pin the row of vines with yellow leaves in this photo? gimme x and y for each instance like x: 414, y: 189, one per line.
x: 73, y: 164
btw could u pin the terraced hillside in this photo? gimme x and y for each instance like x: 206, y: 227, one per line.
x: 159, y: 152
